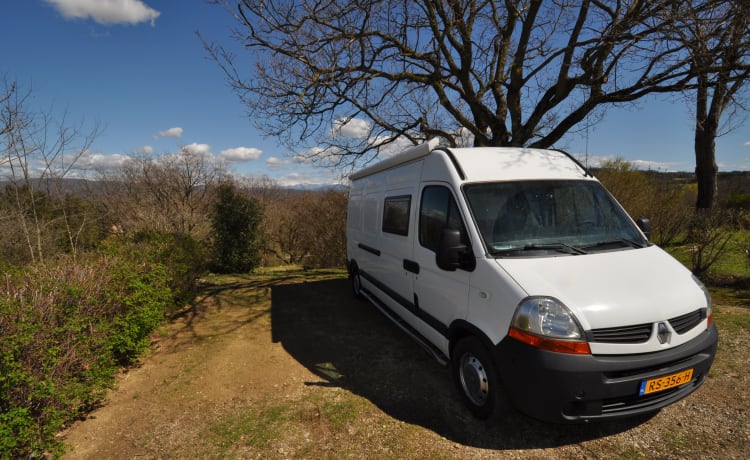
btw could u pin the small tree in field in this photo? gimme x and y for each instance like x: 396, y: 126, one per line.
x: 235, y: 230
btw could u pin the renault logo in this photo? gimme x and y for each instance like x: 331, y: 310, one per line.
x: 662, y: 333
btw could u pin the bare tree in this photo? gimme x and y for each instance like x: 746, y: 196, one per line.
x: 170, y: 193
x: 354, y: 76
x: 716, y: 36
x: 38, y: 151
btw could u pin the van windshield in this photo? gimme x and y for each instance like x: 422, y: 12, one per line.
x: 550, y: 216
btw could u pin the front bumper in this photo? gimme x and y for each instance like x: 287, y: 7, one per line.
x: 566, y: 388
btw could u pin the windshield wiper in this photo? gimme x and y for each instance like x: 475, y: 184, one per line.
x: 620, y: 241
x: 560, y: 247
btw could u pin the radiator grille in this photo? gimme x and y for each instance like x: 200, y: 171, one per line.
x: 684, y: 323
x: 640, y: 333
x: 625, y: 334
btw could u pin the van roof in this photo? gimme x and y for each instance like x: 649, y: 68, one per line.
x: 483, y: 164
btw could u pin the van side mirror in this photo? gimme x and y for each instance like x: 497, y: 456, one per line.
x: 644, y: 224
x: 452, y: 253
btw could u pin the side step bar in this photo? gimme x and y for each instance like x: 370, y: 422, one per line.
x: 390, y: 314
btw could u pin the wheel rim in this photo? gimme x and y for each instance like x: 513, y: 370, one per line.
x: 356, y: 284
x: 474, y: 379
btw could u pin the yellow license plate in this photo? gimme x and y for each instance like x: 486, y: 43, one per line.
x: 666, y: 382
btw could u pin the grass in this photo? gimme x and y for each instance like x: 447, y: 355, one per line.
x: 250, y: 427
x: 732, y: 262
x: 732, y: 320
x: 265, y: 427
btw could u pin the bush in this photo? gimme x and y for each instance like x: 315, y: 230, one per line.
x: 708, y: 237
x: 738, y: 201
x: 668, y: 205
x: 142, y: 297
x: 235, y: 224
x: 182, y: 258
x: 54, y: 359
x: 67, y: 326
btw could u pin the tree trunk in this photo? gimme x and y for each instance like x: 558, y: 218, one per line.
x: 706, y: 127
x: 706, y: 170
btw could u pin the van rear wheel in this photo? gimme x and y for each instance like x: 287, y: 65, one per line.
x: 474, y: 374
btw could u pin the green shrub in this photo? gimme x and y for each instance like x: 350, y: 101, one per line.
x: 738, y: 201
x: 68, y: 325
x: 668, y: 205
x: 142, y: 297
x: 182, y: 258
x: 53, y: 356
x: 234, y: 224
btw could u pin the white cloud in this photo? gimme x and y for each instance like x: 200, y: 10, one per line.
x: 198, y: 149
x: 274, y: 163
x: 171, y: 132
x: 239, y: 154
x: 101, y: 161
x: 747, y: 144
x: 147, y: 149
x: 107, y: 11
x: 353, y: 127
x: 320, y: 178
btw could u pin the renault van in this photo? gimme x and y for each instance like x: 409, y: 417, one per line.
x: 519, y: 270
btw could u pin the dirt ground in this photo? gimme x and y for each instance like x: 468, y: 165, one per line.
x: 291, y: 366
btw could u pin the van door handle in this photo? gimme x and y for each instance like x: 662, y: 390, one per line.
x: 411, y: 266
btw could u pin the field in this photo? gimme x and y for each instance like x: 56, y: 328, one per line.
x: 288, y: 365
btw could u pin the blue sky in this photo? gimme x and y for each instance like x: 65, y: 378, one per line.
x: 141, y: 73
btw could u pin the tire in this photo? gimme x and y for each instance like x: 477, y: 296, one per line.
x: 356, y: 281
x: 476, y: 378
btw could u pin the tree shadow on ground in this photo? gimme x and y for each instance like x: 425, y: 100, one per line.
x: 350, y: 344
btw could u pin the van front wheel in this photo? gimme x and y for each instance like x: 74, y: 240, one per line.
x: 475, y: 377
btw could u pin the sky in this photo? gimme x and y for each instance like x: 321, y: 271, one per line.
x: 136, y: 69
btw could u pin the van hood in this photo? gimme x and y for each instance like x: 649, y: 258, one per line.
x: 614, y: 288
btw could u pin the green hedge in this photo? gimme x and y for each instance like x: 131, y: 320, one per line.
x: 66, y: 328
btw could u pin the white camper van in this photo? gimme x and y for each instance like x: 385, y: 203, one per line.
x: 519, y: 269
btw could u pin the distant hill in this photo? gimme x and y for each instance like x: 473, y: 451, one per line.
x: 730, y: 183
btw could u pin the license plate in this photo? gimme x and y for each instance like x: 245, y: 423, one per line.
x: 666, y: 382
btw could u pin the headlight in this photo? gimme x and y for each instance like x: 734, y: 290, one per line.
x: 546, y: 323
x: 709, y: 301
x: 546, y: 317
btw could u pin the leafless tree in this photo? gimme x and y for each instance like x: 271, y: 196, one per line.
x: 716, y: 36
x: 354, y: 76
x: 170, y: 193
x: 38, y: 151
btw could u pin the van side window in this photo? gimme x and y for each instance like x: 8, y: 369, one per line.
x: 396, y: 214
x: 437, y: 212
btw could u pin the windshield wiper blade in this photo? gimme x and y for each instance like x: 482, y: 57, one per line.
x: 621, y: 241
x: 562, y: 247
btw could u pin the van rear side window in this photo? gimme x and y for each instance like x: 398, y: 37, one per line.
x: 396, y: 214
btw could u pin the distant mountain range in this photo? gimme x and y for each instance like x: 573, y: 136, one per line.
x: 730, y: 183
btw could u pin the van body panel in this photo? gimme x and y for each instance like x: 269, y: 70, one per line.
x: 493, y: 298
x: 613, y: 288
x: 397, y: 215
x: 516, y: 164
